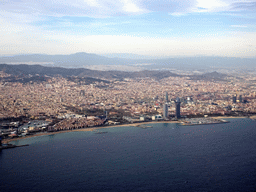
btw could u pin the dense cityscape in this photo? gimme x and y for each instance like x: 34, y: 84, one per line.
x: 66, y: 103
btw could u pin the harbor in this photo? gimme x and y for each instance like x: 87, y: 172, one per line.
x: 9, y: 146
x: 202, y: 121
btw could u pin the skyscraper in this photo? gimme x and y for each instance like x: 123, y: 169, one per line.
x: 177, y: 102
x: 240, y: 99
x: 106, y: 113
x: 166, y: 97
x: 165, y: 111
x: 234, y: 99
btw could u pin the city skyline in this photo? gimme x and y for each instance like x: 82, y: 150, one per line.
x: 156, y: 28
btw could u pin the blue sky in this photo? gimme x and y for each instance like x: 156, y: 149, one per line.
x: 156, y: 28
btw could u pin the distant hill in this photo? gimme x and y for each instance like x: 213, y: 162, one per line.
x: 210, y: 76
x: 24, y: 70
x: 129, y: 56
x: 81, y: 60
x: 74, y: 60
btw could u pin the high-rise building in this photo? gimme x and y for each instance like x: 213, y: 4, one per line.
x: 166, y: 97
x: 234, y: 99
x: 165, y: 111
x: 82, y: 93
x: 106, y: 113
x: 177, y: 103
x: 240, y: 99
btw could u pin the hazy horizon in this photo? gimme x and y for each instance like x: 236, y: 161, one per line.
x: 123, y: 55
x: 152, y: 28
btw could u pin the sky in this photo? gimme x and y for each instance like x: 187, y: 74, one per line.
x: 161, y: 28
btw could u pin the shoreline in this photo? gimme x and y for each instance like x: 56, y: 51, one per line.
x: 5, y: 141
x: 138, y: 124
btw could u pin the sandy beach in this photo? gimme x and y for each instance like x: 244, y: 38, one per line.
x: 111, y: 126
x: 88, y: 129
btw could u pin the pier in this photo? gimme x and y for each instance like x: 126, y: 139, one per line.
x: 9, y: 146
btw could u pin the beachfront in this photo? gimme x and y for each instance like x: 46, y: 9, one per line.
x: 86, y: 129
x: 138, y: 124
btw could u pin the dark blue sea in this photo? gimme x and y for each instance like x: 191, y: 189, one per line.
x: 164, y: 157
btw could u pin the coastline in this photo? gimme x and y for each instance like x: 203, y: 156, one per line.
x: 5, y: 141
x: 138, y: 124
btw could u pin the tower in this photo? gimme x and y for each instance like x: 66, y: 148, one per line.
x: 177, y: 103
x: 240, y: 99
x: 82, y: 93
x: 234, y: 99
x: 165, y: 111
x: 106, y: 113
x: 166, y: 97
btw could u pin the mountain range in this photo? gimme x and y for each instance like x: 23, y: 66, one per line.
x: 26, y: 73
x: 26, y: 70
x: 83, y: 60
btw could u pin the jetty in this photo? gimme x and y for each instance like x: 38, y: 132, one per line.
x: 10, y: 146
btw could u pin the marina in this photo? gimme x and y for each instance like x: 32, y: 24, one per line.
x: 203, y: 121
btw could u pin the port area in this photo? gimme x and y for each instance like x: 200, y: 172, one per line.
x: 10, y: 146
x: 202, y: 121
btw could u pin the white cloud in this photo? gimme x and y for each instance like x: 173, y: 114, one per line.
x: 178, y: 14
x: 222, y: 5
x: 92, y: 3
x: 95, y: 8
x: 106, y: 8
x: 212, y: 5
x: 131, y: 7
x: 91, y: 8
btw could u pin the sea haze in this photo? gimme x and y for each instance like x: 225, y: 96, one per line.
x: 164, y: 157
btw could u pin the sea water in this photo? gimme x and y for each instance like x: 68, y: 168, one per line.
x: 164, y: 157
